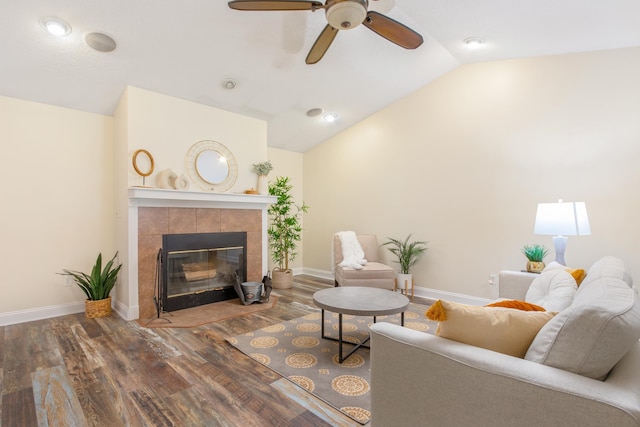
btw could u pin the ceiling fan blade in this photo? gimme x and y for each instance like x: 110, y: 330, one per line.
x: 321, y: 45
x: 275, y: 5
x: 392, y: 30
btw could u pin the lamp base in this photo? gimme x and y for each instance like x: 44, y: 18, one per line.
x: 560, y: 244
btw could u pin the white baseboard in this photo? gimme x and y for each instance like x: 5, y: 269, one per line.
x: 126, y: 312
x: 419, y: 291
x: 29, y: 315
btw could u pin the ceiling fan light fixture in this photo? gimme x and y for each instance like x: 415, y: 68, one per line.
x: 346, y: 14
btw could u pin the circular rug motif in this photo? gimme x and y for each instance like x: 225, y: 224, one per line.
x: 301, y: 360
x: 416, y: 326
x: 359, y: 414
x: 274, y: 329
x: 312, y: 316
x: 344, y: 316
x: 410, y: 315
x: 308, y: 327
x: 304, y: 382
x: 350, y: 385
x: 264, y: 342
x: 353, y: 361
x: 305, y: 342
x: 346, y: 327
x: 262, y: 358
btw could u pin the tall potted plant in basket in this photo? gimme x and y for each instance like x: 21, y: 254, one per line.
x: 97, y: 286
x: 284, y: 231
x: 407, y: 255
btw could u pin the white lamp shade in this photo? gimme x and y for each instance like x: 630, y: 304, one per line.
x: 562, y: 219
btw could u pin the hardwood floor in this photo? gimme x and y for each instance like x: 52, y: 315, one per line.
x: 73, y: 371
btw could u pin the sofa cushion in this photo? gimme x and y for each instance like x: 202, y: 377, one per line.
x: 504, y: 330
x: 594, y: 333
x: 608, y: 266
x: 554, y: 290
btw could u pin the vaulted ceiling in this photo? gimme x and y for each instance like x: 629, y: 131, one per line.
x: 186, y: 49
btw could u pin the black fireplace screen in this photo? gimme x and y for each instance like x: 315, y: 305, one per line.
x: 201, y: 268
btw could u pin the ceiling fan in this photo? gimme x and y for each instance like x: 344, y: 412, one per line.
x: 341, y: 15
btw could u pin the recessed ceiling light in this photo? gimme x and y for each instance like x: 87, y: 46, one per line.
x: 100, y: 42
x: 314, y: 112
x: 229, y: 84
x: 55, y: 26
x: 473, y: 42
x: 330, y: 117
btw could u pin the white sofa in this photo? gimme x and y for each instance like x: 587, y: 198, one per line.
x: 418, y: 379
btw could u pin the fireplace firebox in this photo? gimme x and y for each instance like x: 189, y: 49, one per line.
x: 200, y: 268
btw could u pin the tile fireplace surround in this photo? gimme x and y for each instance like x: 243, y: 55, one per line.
x: 154, y: 212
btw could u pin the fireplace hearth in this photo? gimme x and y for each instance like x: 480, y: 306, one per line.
x: 200, y: 268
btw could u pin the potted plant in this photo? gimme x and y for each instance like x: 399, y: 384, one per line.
x: 262, y: 169
x: 535, y: 255
x: 284, y: 231
x: 97, y: 286
x: 407, y: 255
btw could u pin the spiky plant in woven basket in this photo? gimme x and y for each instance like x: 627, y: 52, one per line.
x: 97, y: 286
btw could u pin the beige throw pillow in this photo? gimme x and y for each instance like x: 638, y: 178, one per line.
x: 504, y: 330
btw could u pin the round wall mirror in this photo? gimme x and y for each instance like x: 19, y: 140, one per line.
x: 211, y: 166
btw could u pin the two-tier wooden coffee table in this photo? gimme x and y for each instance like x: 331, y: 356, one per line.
x: 358, y: 301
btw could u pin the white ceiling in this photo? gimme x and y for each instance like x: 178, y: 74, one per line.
x: 186, y: 48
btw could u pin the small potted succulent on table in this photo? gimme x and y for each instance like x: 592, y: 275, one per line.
x: 535, y: 255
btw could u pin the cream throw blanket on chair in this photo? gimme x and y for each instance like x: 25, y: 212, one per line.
x: 352, y: 253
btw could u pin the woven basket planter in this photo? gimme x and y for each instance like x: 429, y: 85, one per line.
x: 99, y: 308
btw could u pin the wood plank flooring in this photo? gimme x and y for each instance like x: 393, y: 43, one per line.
x: 73, y: 371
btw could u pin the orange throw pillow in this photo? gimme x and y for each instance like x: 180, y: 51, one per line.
x: 520, y: 305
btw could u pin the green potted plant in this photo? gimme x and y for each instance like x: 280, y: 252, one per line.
x: 407, y: 254
x: 535, y: 255
x: 284, y: 231
x: 97, y: 286
x: 262, y: 169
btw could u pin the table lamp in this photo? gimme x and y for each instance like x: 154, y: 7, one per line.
x: 560, y: 220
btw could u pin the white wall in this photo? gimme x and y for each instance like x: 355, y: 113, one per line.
x: 57, y: 210
x: 463, y: 162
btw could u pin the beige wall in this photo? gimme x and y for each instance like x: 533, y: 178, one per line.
x: 57, y: 210
x: 463, y: 162
x: 288, y: 163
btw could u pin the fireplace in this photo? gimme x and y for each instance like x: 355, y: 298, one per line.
x: 200, y: 268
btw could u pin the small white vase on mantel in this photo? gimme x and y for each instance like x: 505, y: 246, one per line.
x: 404, y: 282
x: 262, y: 184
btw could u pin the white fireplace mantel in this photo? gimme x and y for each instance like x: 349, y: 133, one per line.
x: 158, y: 197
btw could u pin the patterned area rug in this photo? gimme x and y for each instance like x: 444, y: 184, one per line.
x: 295, y: 350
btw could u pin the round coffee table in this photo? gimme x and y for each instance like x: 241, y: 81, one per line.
x: 358, y: 301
